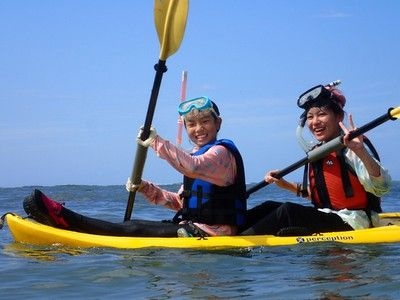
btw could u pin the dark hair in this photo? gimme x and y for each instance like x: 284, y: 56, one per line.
x: 215, y: 107
x: 332, y: 99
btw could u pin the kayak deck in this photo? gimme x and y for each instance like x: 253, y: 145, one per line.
x: 26, y: 230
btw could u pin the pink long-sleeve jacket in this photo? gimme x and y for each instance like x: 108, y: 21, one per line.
x: 217, y: 166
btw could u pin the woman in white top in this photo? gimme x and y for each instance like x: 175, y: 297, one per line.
x: 344, y: 186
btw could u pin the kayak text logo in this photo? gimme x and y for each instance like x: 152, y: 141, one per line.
x: 321, y: 238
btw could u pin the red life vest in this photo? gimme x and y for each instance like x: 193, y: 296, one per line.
x: 334, y: 185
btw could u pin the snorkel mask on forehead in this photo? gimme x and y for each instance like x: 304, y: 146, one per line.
x: 200, y: 104
x: 312, y: 96
x: 319, y: 94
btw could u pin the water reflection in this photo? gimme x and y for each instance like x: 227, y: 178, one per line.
x: 341, y: 271
x: 40, y: 253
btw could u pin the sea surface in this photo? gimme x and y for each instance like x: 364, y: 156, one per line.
x: 311, y: 271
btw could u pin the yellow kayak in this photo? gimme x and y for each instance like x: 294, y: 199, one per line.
x: 25, y: 230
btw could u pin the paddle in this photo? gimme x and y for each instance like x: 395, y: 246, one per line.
x: 170, y: 21
x: 333, y: 145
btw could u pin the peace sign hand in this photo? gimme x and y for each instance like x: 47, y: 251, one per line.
x: 356, y: 143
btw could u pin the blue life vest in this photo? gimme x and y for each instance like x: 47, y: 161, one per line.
x: 211, y: 204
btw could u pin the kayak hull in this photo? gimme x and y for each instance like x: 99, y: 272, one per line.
x: 25, y: 230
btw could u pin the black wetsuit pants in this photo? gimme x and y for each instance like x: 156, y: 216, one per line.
x: 271, y: 217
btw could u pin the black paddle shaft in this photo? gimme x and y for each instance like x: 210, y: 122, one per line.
x: 323, y: 150
x: 160, y: 68
x: 141, y: 151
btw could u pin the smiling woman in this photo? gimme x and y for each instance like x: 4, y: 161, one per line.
x: 344, y: 185
x: 213, y: 192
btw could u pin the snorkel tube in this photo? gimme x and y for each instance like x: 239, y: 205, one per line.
x: 309, y: 145
x: 306, y: 146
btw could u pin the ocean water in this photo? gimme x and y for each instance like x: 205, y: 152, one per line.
x: 319, y: 271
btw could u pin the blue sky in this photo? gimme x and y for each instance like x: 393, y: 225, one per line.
x: 76, y: 76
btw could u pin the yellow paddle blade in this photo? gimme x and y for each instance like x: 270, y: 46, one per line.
x: 395, y: 112
x: 170, y: 19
